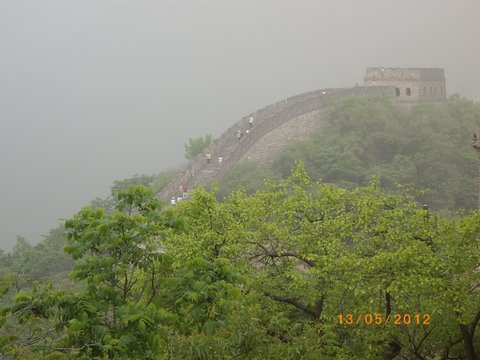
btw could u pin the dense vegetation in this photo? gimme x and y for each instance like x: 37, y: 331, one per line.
x: 272, y: 271
x: 427, y: 148
x: 196, y: 145
x: 257, y: 277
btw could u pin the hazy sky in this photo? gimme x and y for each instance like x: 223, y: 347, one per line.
x: 94, y: 91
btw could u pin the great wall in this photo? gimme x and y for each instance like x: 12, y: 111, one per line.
x: 296, y: 118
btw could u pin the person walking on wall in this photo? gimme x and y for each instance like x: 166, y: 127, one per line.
x: 250, y: 122
x: 209, y: 157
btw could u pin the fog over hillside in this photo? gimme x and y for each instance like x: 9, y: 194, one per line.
x: 94, y: 91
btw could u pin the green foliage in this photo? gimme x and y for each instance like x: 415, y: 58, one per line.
x: 5, y: 283
x: 109, y: 203
x: 265, y: 273
x: 163, y: 179
x: 246, y: 176
x: 47, y: 260
x: 425, y: 148
x: 156, y: 182
x: 120, y: 185
x: 216, y: 318
x: 311, y: 251
x: 26, y: 262
x: 133, y: 303
x: 196, y: 145
x: 48, y: 255
x: 119, y: 260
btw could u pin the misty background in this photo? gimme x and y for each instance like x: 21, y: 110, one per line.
x: 95, y: 91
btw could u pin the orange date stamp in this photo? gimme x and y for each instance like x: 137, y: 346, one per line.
x: 379, y: 319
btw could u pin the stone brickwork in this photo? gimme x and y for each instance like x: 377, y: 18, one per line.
x: 267, y: 120
x: 410, y: 84
x: 300, y: 128
x: 296, y: 118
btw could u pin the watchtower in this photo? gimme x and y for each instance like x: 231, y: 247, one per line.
x: 410, y: 84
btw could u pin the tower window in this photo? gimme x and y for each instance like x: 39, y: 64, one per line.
x: 408, y: 91
x: 397, y: 92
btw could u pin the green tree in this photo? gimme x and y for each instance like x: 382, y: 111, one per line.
x: 196, y: 145
x: 132, y: 303
x: 156, y: 182
x: 246, y: 176
x: 427, y: 147
x: 312, y: 251
x: 257, y: 276
x: 27, y: 262
x: 119, y: 260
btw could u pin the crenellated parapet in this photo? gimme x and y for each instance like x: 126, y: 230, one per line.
x: 297, y: 117
x: 410, y: 84
x: 266, y: 120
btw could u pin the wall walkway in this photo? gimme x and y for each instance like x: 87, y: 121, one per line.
x: 266, y: 121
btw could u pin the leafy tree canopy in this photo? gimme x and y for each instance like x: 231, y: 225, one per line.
x: 196, y: 145
x: 267, y: 271
x: 311, y: 251
x: 427, y: 147
x: 258, y: 276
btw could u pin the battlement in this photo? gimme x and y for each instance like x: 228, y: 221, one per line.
x: 410, y: 84
x: 298, y: 117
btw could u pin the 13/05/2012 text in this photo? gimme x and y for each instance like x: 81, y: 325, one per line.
x: 379, y: 319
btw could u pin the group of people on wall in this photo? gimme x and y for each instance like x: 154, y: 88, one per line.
x: 208, y: 155
x: 182, y: 195
x: 183, y: 191
x: 247, y: 131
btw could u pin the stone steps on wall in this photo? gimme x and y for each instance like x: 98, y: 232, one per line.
x: 267, y: 120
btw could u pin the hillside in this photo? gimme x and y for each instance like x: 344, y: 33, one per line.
x: 426, y: 147
x: 280, y: 270
x: 273, y: 128
x: 347, y: 136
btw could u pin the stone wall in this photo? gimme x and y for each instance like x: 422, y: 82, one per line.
x: 300, y: 128
x: 297, y: 117
x: 410, y: 84
x: 267, y: 120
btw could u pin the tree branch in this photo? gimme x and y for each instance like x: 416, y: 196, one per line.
x: 388, y: 304
x: 426, y: 334
x: 291, y: 254
x: 473, y: 325
x: 275, y: 254
x: 314, y: 313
